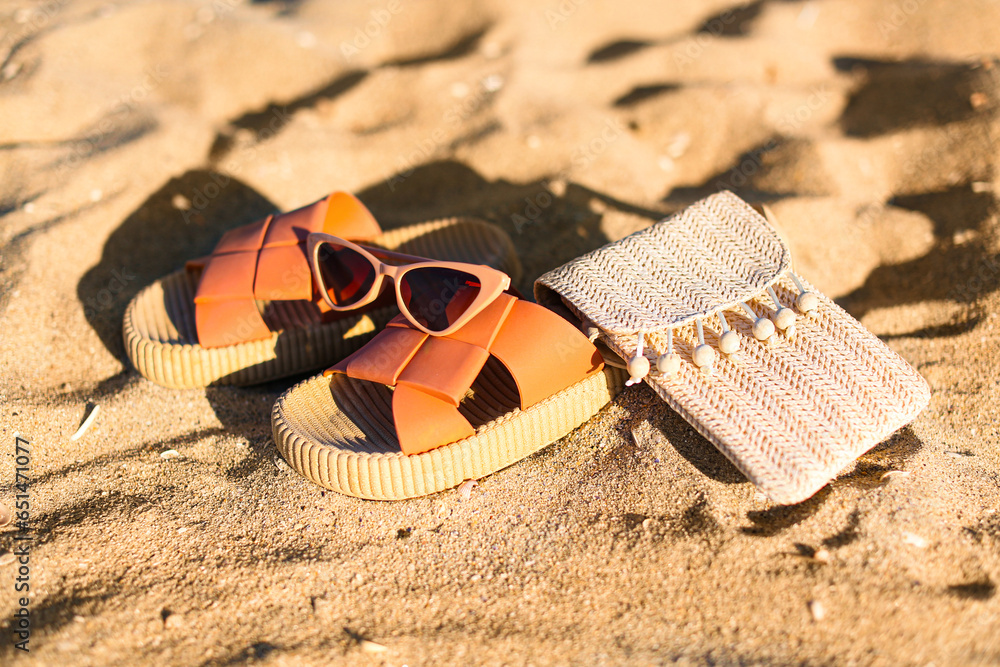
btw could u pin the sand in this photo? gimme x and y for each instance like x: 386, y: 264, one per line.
x: 133, y: 134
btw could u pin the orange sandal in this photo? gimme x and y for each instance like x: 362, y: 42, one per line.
x: 250, y: 312
x: 411, y: 414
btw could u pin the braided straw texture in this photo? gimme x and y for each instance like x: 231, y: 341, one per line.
x: 793, y: 413
x: 161, y: 340
x: 338, y: 432
x: 711, y: 254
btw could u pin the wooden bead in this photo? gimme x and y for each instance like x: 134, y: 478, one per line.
x: 763, y: 328
x: 807, y: 302
x: 668, y: 364
x: 784, y: 318
x: 729, y: 342
x: 638, y: 368
x: 703, y: 356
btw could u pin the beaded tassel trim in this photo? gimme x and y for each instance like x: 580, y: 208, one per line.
x: 780, y: 318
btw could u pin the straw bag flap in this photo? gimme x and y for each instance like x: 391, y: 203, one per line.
x: 702, y: 260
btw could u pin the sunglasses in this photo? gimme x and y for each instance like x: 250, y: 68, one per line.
x: 436, y: 297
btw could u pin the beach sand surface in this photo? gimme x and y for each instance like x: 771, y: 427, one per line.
x: 133, y: 134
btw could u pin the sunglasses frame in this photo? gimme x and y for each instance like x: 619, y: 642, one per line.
x: 492, y: 282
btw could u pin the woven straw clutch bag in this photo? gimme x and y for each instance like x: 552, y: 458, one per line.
x: 704, y: 307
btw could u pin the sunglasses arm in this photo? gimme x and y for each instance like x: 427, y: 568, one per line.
x: 514, y: 292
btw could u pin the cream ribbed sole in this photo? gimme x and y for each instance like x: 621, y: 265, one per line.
x: 338, y: 432
x: 161, y: 340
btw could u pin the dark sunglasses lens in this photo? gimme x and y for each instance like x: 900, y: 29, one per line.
x: 437, y: 297
x: 347, y: 275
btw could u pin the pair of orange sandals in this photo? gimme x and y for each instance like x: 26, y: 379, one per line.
x: 453, y: 379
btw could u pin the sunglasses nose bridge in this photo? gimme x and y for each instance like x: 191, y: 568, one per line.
x: 389, y: 270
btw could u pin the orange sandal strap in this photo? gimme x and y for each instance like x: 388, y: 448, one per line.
x: 266, y: 261
x: 432, y: 374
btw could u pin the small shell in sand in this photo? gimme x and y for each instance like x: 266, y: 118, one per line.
x: 466, y: 488
x: 369, y: 646
x: 86, y: 424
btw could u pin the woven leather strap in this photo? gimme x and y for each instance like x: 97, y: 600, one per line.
x: 266, y: 261
x: 431, y: 374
